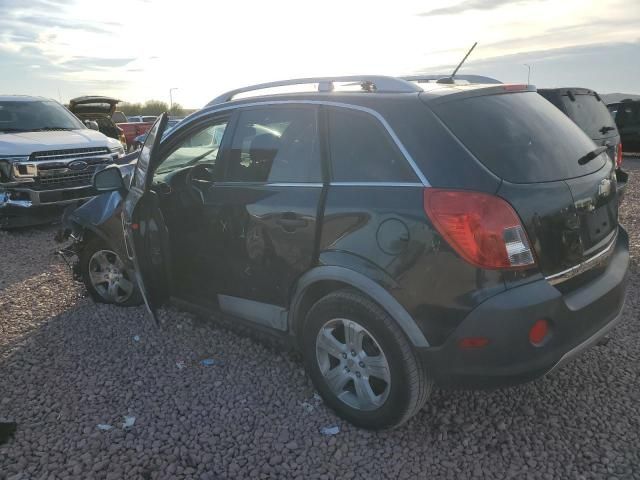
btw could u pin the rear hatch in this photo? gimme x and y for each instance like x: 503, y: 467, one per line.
x: 588, y: 111
x: 567, y: 204
x: 92, y: 106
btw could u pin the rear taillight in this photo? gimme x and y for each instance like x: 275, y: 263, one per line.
x: 483, y: 229
x: 619, y: 156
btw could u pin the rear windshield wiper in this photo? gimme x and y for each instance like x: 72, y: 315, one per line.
x: 591, y: 155
x: 606, y: 129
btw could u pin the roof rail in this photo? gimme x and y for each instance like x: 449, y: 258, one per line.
x: 369, y: 83
x: 436, y: 77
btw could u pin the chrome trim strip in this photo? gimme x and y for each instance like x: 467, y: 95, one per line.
x: 560, y: 277
x: 221, y: 108
x: 96, y: 151
x: 376, y: 184
x: 265, y: 184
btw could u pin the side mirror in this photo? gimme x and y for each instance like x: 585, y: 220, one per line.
x: 108, y: 180
x: 92, y: 124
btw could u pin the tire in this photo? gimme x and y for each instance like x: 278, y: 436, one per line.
x: 94, y: 256
x: 395, y: 398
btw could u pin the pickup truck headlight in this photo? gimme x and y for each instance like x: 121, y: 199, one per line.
x: 119, y: 150
x: 14, y: 167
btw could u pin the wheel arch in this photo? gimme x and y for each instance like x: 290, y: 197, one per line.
x: 323, y: 280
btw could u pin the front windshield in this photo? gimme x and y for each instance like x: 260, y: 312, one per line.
x: 38, y: 115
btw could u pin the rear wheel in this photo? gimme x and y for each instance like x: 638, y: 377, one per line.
x: 361, y: 362
x: 106, y: 276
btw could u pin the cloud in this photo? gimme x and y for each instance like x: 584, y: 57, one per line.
x: 589, y: 66
x: 471, y: 5
x: 82, y: 63
x: 40, y: 21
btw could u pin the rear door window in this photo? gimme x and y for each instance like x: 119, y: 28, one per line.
x: 590, y: 114
x: 276, y: 145
x: 362, y: 150
x: 520, y: 137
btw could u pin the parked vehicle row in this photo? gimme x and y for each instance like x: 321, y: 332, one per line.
x: 402, y: 235
x: 588, y: 111
x: 627, y: 118
x: 47, y: 159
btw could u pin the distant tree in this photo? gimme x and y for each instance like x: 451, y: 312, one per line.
x: 151, y: 107
x: 130, y: 109
x: 154, y: 107
x: 177, y: 110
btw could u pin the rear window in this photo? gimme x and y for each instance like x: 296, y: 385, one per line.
x: 520, y: 137
x: 362, y: 151
x: 590, y: 114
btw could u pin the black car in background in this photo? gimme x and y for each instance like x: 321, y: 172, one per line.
x: 627, y: 117
x: 589, y: 112
x: 398, y: 235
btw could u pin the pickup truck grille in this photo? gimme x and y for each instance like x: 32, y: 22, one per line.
x: 56, y: 155
x: 66, y: 179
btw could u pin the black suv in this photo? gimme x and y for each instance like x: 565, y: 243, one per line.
x: 627, y: 117
x: 398, y: 235
x: 589, y: 112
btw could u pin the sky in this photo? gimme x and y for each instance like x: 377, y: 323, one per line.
x: 138, y: 50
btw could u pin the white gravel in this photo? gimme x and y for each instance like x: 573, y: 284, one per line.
x: 68, y: 365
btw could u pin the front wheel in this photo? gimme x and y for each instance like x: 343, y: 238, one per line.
x: 106, y: 276
x: 361, y: 362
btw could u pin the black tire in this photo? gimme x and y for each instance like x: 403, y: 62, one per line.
x: 87, y: 251
x: 409, y: 385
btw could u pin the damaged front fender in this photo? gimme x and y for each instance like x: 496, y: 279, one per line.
x: 99, y: 216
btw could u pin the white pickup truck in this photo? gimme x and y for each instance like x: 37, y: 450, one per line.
x: 47, y: 159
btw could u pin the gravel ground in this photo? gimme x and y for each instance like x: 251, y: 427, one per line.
x: 68, y: 365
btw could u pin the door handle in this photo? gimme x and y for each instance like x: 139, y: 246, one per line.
x: 291, y: 221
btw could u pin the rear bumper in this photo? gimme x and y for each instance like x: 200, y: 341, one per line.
x: 578, y: 319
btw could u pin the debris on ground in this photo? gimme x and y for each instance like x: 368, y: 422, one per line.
x: 104, y: 427
x: 330, y: 430
x: 180, y: 364
x: 136, y: 338
x: 209, y: 362
x: 307, y: 407
x: 7, y: 430
x: 129, y: 421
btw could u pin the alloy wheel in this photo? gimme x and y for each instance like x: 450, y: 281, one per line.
x: 109, y: 277
x: 353, y: 365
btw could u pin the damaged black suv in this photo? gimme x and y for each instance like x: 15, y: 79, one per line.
x: 400, y: 234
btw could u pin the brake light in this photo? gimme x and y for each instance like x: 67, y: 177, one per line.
x: 515, y: 87
x: 619, y: 156
x: 483, y: 229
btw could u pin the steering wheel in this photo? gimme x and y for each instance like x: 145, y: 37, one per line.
x: 198, y: 179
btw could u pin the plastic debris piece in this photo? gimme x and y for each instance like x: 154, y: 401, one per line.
x: 209, y: 362
x: 307, y: 407
x: 180, y: 364
x: 330, y: 430
x: 129, y: 421
x: 136, y: 338
x: 317, y: 397
x: 104, y: 426
x: 7, y: 430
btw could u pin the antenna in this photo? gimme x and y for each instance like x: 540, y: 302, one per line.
x: 449, y: 80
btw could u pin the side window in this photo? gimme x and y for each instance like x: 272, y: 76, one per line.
x: 362, y: 151
x: 199, y: 147
x: 275, y: 144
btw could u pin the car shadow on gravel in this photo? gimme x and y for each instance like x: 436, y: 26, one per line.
x: 23, y: 255
x: 253, y: 412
